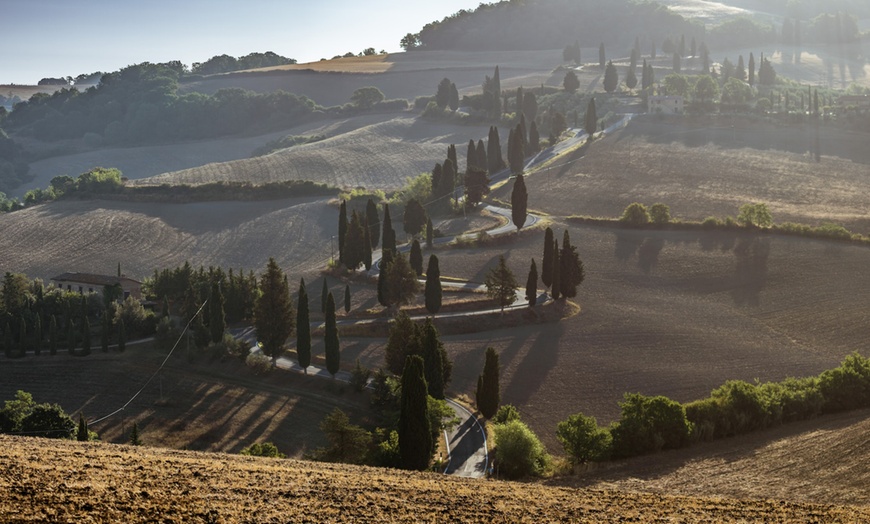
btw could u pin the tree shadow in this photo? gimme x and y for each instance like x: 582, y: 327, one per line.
x: 627, y: 244
x: 648, y: 253
x: 750, y: 272
x: 532, y: 372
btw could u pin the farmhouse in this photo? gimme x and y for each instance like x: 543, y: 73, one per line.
x: 669, y: 104
x: 90, y: 283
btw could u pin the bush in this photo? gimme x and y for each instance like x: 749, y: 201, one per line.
x: 359, y: 377
x: 137, y: 321
x: 754, y: 215
x: 711, y: 223
x: 583, y: 440
x: 847, y: 386
x: 635, y: 215
x: 259, y: 363
x: 649, y: 424
x: 506, y: 414
x: 519, y: 452
x: 49, y: 421
x: 660, y: 214
x: 266, y: 449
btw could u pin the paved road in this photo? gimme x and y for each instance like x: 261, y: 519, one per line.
x: 466, y: 444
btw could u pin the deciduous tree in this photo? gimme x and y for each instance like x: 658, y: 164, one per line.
x: 414, y: 218
x: 501, y: 285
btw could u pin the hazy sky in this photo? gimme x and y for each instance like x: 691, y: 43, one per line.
x: 58, y: 38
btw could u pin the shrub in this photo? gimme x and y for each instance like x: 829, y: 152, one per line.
x: 49, y: 421
x: 711, y: 223
x: 266, y: 449
x: 660, y: 214
x: 649, y: 424
x: 754, y: 215
x: 137, y: 321
x: 519, y: 452
x: 847, y: 386
x: 583, y: 440
x: 259, y: 363
x: 359, y: 376
x: 635, y: 215
x: 506, y: 414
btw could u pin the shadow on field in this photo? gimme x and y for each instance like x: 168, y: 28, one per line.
x: 532, y: 372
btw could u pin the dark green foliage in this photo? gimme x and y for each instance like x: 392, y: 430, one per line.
x: 383, y: 282
x: 453, y: 103
x: 70, y: 337
x: 374, y: 223
x: 519, y: 452
x: 415, y: 257
x: 359, y: 376
x: 415, y: 432
x: 451, y: 155
x: 216, y: 319
x: 481, y: 162
x: 547, y: 260
x: 348, y: 443
x: 342, y: 229
x: 414, y: 218
x: 403, y: 341
x: 534, y: 144
x: 347, y: 298
x: 266, y: 449
x: 494, y: 159
x: 635, y: 214
x: 611, y: 78
x: 434, y: 359
x: 659, y: 213
x: 571, y: 272
x: 631, y: 79
x: 506, y: 413
x: 37, y: 335
x: 402, y: 282
x: 22, y: 338
x: 48, y: 421
x: 516, y: 149
x: 766, y: 73
x: 388, y: 237
x: 556, y: 278
x: 7, y: 341
x: 571, y: 83
x: 442, y: 95
x: 532, y: 285
x: 649, y: 424
x: 82, y: 434
x: 488, y: 395
x: 122, y: 336
x: 273, y: 311
x: 303, y: 329
x: 354, y: 251
x: 433, y: 291
x: 476, y: 186
x: 367, y: 248
x: 330, y: 338
x: 591, y: 119
x: 501, y: 285
x: 519, y: 202
x: 52, y: 336
x: 135, y: 439
x: 530, y: 106
x: 583, y: 440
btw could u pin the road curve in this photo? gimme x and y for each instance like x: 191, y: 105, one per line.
x: 466, y: 446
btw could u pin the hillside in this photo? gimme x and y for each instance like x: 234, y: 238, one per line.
x: 113, y: 483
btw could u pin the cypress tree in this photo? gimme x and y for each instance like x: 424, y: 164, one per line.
x: 430, y: 233
x: 488, y: 395
x: 122, y: 336
x: 751, y: 70
x: 611, y: 78
x: 451, y: 154
x: 547, y: 260
x: 383, y: 281
x: 104, y: 333
x: 481, y: 162
x: 433, y: 290
x: 591, y: 120
x: 436, y: 179
x: 303, y: 329
x: 342, y: 229
x: 433, y: 365
x: 86, y: 338
x: 374, y: 223
x: 571, y: 268
x: 534, y: 138
x: 415, y: 258
x: 532, y: 285
x: 454, y: 97
x: 471, y: 155
x: 330, y: 338
x: 448, y: 180
x: 216, y: 318
x: 367, y: 247
x: 354, y: 243
x: 52, y: 336
x: 556, y: 289
x: 135, y: 439
x: 324, y: 291
x: 7, y: 341
x: 274, y: 318
x: 82, y: 433
x: 496, y: 94
x: 388, y: 237
x: 347, y: 298
x: 37, y: 330
x: 493, y: 152
x: 519, y: 202
x: 415, y: 432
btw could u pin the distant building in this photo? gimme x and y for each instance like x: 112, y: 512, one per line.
x: 670, y: 104
x: 89, y: 283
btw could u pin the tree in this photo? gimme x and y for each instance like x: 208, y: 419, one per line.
x: 402, y: 282
x: 82, y: 434
x: 705, y: 58
x: 493, y: 152
x: 532, y: 285
x: 675, y: 84
x: 433, y: 290
x: 591, y: 119
x: 434, y: 357
x: 414, y: 218
x: 519, y: 202
x: 630, y: 79
x: 367, y: 97
x: 659, y: 213
x: 571, y: 83
x: 476, y: 186
x: 453, y: 102
x: 347, y: 298
x: 706, y: 89
x: 37, y: 325
x: 355, y: 243
x: 122, y: 336
x: 755, y: 215
x: 383, y: 283
x: 403, y: 340
x: 273, y: 311
x: 374, y: 223
x: 519, y: 452
x: 86, y: 337
x: 104, y: 333
x: 409, y: 41
x: 556, y: 288
x: 635, y: 214
x: 135, y: 439
x: 216, y: 318
x: 611, y: 78
x: 265, y: 449
x: 649, y: 424
x: 52, y: 336
x: 496, y: 94
x: 583, y: 440
x: 442, y: 95
x: 48, y: 421
x: 330, y: 338
x: 303, y: 329
x: 415, y: 258
x: 367, y: 247
x: 740, y: 72
x: 547, y: 259
x: 388, y: 238
x: 766, y: 73
x: 415, y: 431
x: 501, y: 284
x: 751, y: 69
x: 601, y: 57
x: 70, y: 337
x: 571, y: 272
x: 348, y: 443
x: 530, y: 106
x: 488, y: 396
x: 534, y: 144
x: 471, y: 155
x: 342, y: 229
x: 451, y: 155
x: 516, y: 150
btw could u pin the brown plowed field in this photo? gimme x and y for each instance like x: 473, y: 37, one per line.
x: 110, y: 483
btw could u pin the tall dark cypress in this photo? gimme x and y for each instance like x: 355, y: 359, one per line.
x: 367, y: 246
x: 347, y: 298
x: 556, y: 289
x: 547, y: 260
x: 415, y: 432
x: 571, y: 268
x: 433, y: 290
x: 37, y: 327
x: 591, y: 119
x: 217, y: 322
x: 481, y: 161
x: 451, y: 154
x: 433, y: 365
x: 415, y: 258
x: 532, y: 285
x: 52, y: 335
x: 383, y: 282
x: 330, y: 338
x: 303, y: 329
x: 519, y: 202
x: 488, y: 395
x: 388, y: 237
x: 342, y: 229
x: 471, y: 155
x: 374, y: 223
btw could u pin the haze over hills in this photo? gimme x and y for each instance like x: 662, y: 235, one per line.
x: 673, y: 308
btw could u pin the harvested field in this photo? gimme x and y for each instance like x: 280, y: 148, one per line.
x: 111, y: 483
x: 376, y: 156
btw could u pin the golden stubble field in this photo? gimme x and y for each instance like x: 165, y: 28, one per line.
x: 110, y: 483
